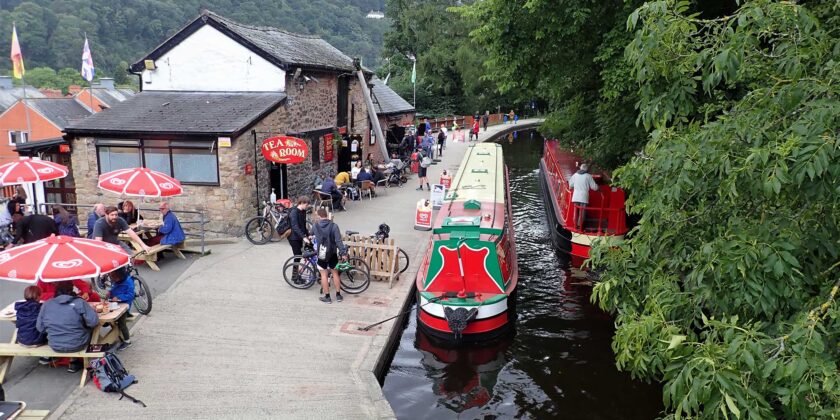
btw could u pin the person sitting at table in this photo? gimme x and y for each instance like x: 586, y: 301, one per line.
x: 128, y: 212
x: 354, y: 171
x: 343, y: 177
x: 329, y: 187
x: 122, y: 291
x: 364, y: 175
x: 81, y: 288
x: 26, y: 313
x: 171, y: 230
x: 68, y: 322
x: 98, y: 212
x: 108, y: 229
x: 68, y: 224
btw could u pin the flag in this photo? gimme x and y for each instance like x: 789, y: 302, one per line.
x: 17, y: 57
x: 87, y: 63
x: 414, y: 73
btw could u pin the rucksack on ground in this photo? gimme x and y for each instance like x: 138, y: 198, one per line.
x: 109, y: 375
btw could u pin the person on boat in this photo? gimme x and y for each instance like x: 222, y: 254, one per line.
x: 330, y: 247
x: 580, y: 183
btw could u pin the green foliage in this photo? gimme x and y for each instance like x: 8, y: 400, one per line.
x: 121, y: 31
x: 571, y: 53
x: 727, y: 290
x: 449, y: 64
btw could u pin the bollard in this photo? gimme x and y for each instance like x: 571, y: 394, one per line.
x: 423, y: 216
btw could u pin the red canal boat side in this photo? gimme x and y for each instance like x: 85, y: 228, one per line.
x: 467, y: 279
x: 606, y: 217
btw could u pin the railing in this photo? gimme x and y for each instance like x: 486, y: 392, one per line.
x: 609, y: 201
x: 197, y: 218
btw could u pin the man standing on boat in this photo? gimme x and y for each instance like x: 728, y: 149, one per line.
x: 580, y: 183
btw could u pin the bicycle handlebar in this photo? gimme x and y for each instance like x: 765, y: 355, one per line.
x: 351, y: 232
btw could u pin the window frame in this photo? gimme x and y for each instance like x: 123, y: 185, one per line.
x: 178, y: 144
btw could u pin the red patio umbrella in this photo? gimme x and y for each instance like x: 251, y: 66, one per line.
x: 140, y: 182
x: 59, y: 258
x: 28, y: 170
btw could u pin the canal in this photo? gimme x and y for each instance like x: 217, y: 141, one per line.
x: 558, y: 364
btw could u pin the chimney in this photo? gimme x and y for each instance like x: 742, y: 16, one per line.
x: 107, y: 83
x: 6, y: 82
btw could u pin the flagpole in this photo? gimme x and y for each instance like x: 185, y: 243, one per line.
x: 26, y: 113
x: 90, y: 83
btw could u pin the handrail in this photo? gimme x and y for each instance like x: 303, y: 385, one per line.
x: 200, y: 222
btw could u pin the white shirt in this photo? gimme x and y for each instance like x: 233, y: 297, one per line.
x: 580, y: 185
x: 354, y: 172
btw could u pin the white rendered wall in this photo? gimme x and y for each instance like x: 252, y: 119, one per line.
x: 210, y: 61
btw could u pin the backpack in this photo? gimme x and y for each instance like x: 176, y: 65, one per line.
x: 326, y: 244
x: 284, y: 223
x: 426, y: 162
x: 109, y: 375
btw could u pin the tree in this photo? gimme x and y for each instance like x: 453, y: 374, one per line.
x: 727, y: 290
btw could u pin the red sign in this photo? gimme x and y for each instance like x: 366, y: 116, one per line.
x: 342, y: 130
x: 284, y: 149
x: 328, y: 147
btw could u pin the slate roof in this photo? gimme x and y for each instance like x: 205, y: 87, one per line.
x: 8, y: 97
x: 284, y: 49
x: 111, y: 97
x: 181, y: 113
x: 60, y: 111
x: 386, y: 101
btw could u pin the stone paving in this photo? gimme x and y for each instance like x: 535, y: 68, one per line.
x: 230, y: 339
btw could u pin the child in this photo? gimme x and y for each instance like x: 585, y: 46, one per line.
x: 122, y: 290
x: 27, y: 316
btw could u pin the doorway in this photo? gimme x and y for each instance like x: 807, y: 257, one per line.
x: 278, y: 178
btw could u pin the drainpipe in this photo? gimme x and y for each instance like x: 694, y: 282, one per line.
x: 374, y: 119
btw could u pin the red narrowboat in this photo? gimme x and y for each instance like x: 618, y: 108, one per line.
x: 467, y: 279
x: 604, y: 218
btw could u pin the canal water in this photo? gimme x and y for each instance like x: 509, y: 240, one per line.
x: 558, y: 364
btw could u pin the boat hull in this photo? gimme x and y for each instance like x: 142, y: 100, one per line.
x: 491, y: 322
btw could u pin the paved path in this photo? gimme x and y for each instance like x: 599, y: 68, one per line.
x: 231, y: 339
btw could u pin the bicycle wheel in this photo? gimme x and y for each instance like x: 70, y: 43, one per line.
x: 142, y: 295
x: 258, y: 230
x: 300, y: 274
x: 357, y: 278
x: 403, y: 261
x: 101, y: 285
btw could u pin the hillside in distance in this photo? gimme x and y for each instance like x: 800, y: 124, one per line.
x: 52, y: 32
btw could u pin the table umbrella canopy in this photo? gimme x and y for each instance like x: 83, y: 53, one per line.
x: 59, y: 258
x: 27, y: 170
x: 140, y: 182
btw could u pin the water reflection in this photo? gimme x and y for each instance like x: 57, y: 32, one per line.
x: 559, y: 362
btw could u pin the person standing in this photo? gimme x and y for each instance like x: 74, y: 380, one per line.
x: 330, y: 246
x: 485, y: 119
x: 474, y: 131
x: 17, y: 205
x: 34, y: 227
x: 510, y: 115
x: 580, y: 183
x: 425, y: 162
x: 96, y: 214
x: 441, y: 141
x: 297, y: 221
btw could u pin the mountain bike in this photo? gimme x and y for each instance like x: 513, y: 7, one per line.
x: 142, y: 293
x: 261, y: 229
x: 354, y: 273
x: 381, y: 235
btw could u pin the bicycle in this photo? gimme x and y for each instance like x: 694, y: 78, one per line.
x: 260, y: 229
x: 381, y: 235
x: 354, y: 273
x: 142, y: 293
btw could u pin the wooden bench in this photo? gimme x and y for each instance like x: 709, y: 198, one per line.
x: 151, y: 256
x: 8, y: 351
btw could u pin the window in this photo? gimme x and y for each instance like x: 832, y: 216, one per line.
x: 18, y: 137
x: 191, y: 162
x: 343, y: 92
x: 315, y: 150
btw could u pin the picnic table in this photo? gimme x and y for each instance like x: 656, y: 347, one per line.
x: 12, y: 349
x: 149, y: 228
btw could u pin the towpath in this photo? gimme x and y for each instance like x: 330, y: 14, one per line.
x: 230, y: 339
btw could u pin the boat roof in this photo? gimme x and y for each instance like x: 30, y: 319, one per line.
x: 476, y: 202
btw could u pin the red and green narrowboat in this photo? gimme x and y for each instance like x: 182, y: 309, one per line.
x: 467, y: 280
x: 605, y: 217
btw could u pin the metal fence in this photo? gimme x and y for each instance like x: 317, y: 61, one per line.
x: 193, y: 223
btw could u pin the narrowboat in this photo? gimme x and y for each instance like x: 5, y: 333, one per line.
x: 604, y: 218
x: 467, y: 279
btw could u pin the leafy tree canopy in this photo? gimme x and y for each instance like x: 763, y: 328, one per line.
x: 727, y: 290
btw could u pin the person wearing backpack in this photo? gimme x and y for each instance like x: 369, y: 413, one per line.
x: 68, y: 321
x: 330, y: 246
x: 425, y: 162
